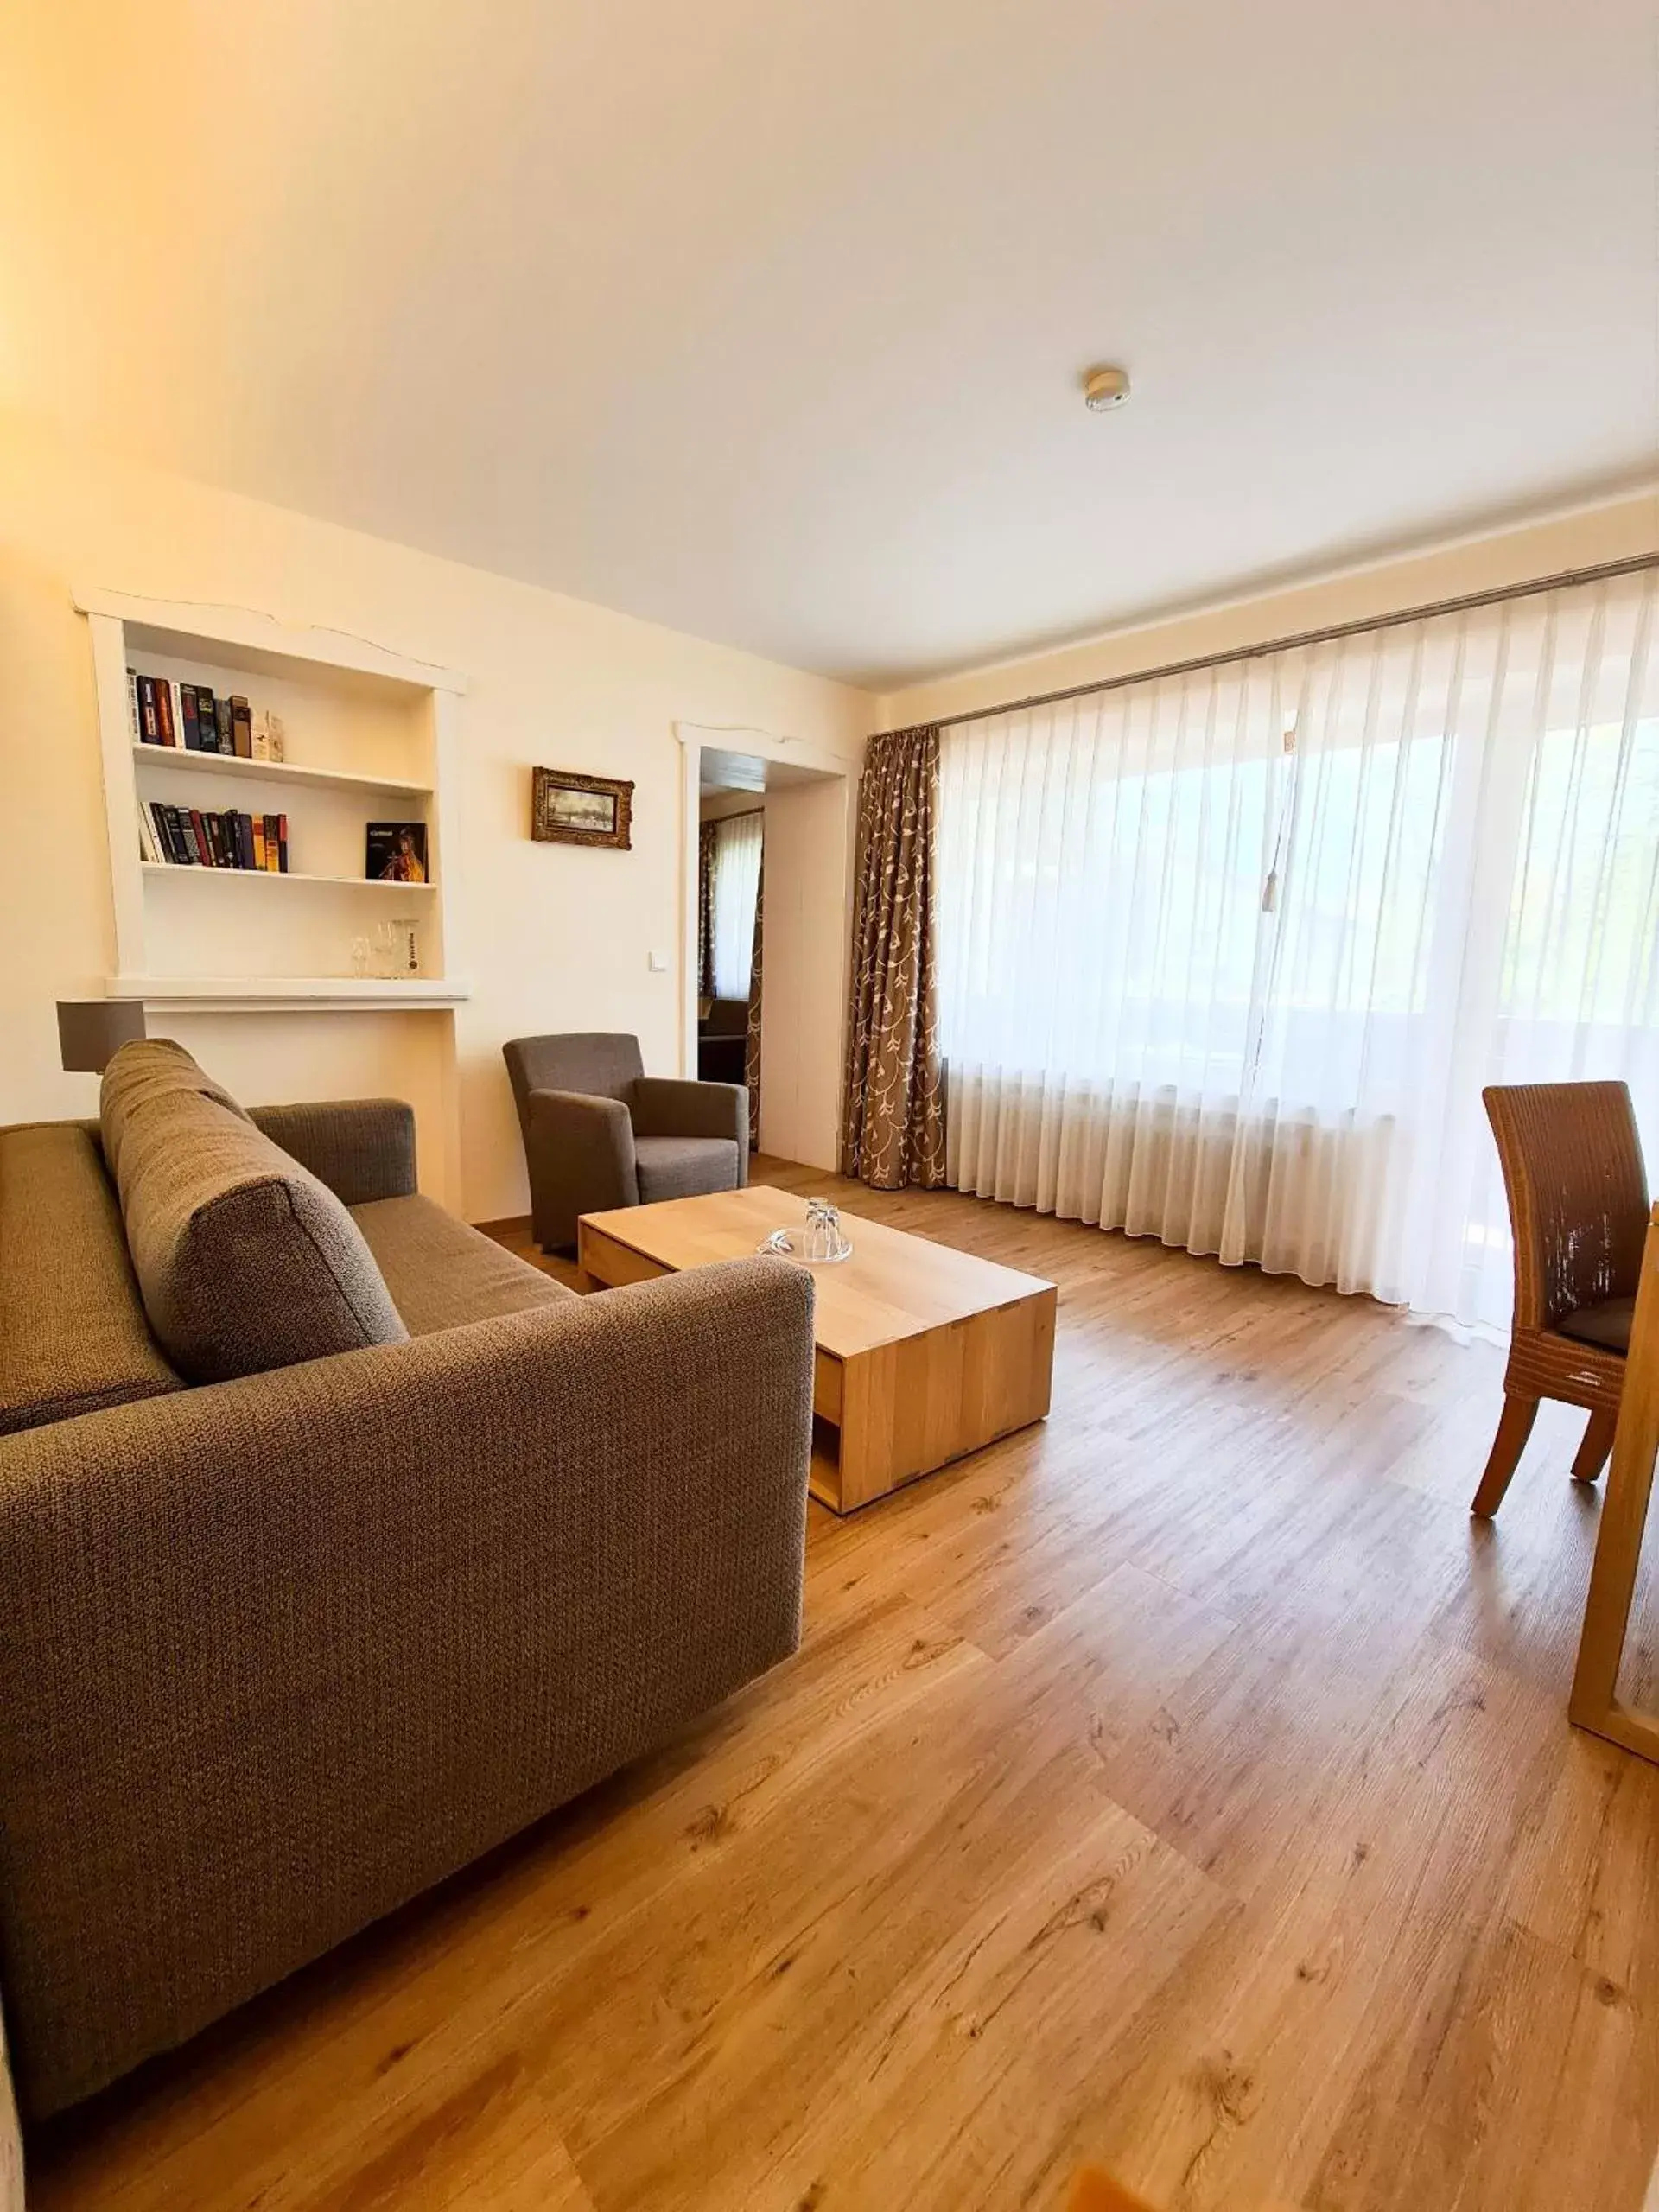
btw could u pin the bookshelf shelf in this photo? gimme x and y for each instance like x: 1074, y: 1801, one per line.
x: 230, y: 994
x: 371, y: 739
x: 171, y: 868
x: 289, y: 773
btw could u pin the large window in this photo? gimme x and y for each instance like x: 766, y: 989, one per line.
x: 1227, y: 958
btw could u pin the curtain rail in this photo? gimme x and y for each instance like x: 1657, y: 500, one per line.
x: 1632, y: 565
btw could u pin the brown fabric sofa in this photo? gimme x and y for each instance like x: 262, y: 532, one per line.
x: 278, y: 1652
x: 599, y: 1132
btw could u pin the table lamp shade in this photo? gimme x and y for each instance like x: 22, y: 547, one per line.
x: 92, y: 1031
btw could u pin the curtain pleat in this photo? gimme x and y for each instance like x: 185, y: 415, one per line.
x: 1226, y: 959
x: 892, y: 1126
x: 706, y: 910
x: 752, y: 1035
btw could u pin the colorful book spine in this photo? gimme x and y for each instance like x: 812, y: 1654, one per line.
x: 259, y: 842
x: 241, y: 728
x: 149, y: 728
x: 189, y: 724
x: 164, y: 719
x: 281, y: 844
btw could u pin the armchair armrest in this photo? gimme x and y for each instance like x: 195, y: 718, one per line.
x: 580, y: 1153
x: 362, y: 1148
x: 666, y: 1107
x: 279, y: 1653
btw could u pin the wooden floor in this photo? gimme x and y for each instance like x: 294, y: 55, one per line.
x: 1184, y: 1784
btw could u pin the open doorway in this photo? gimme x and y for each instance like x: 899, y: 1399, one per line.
x: 768, y: 947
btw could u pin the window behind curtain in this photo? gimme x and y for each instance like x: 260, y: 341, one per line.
x: 736, y: 879
x: 1226, y: 958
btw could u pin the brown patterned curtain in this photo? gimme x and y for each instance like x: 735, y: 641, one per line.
x: 752, y: 1041
x: 892, y: 1129
x: 706, y: 910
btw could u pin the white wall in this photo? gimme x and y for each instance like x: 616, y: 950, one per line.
x: 714, y: 806
x: 557, y: 937
x: 804, y: 981
x: 1609, y: 532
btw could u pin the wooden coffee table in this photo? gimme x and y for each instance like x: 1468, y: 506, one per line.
x: 923, y: 1353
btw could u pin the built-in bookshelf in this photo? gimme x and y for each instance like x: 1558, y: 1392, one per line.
x: 367, y: 738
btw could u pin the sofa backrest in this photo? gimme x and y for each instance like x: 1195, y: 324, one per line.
x: 74, y: 1337
x: 596, y: 1063
x: 244, y: 1259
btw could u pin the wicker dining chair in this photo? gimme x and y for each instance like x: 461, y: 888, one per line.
x: 1577, y: 1194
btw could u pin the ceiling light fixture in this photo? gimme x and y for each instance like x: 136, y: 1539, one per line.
x: 1105, y: 388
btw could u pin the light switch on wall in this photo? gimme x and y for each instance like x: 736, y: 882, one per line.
x: 659, y: 964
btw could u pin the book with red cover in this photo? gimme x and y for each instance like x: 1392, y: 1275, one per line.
x: 164, y: 720
x: 190, y: 727
x: 199, y: 835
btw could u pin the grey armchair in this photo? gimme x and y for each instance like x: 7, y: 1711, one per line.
x: 599, y: 1132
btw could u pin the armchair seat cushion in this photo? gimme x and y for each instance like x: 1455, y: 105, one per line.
x: 440, y: 1273
x: 1606, y: 1324
x: 684, y: 1167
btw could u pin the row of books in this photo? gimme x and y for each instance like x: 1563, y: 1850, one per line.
x: 190, y: 836
x: 189, y: 716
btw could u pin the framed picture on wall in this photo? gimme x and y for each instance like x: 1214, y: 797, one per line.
x: 566, y: 809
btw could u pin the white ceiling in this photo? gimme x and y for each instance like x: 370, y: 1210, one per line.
x: 747, y: 772
x: 766, y: 321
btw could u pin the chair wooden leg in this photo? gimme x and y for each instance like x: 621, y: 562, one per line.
x: 1514, y: 1428
x: 1598, y: 1443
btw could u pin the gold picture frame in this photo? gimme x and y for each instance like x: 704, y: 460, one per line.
x: 567, y: 809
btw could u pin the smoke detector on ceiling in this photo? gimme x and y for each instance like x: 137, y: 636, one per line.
x: 1105, y: 388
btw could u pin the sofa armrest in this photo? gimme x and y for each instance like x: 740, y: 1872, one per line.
x: 278, y: 1653
x: 665, y: 1106
x: 580, y: 1153
x: 362, y: 1148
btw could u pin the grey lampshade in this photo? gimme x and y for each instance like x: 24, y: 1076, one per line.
x: 92, y: 1031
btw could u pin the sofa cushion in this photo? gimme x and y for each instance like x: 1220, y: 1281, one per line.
x: 440, y: 1273
x: 153, y: 1068
x: 245, y: 1260
x: 684, y: 1167
x: 72, y: 1332
x: 1607, y: 1323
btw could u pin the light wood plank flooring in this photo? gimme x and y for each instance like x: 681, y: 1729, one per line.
x: 1184, y: 1784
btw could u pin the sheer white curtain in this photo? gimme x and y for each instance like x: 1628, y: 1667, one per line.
x: 737, y: 882
x: 1226, y: 958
